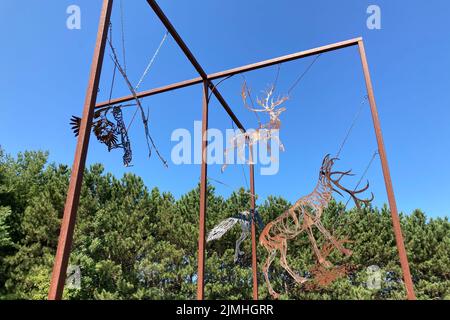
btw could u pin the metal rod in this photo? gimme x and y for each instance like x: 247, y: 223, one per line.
x: 76, y: 179
x: 246, y: 68
x: 254, y: 243
x: 387, y: 178
x: 203, y: 197
x: 173, y: 32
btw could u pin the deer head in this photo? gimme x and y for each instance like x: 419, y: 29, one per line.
x: 335, y: 177
x: 268, y: 105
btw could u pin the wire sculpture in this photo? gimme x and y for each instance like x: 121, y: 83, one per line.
x: 244, y: 219
x: 302, y: 216
x: 125, y: 142
x: 265, y: 132
x: 324, y: 276
x: 108, y: 132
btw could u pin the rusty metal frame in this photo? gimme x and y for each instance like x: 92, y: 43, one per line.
x: 72, y: 200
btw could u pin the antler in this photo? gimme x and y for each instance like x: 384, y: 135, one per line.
x: 246, y: 93
x: 353, y: 193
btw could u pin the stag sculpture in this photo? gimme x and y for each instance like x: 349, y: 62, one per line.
x: 264, y: 132
x: 303, y: 216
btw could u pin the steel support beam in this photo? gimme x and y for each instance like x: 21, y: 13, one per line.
x: 207, y: 85
x: 387, y: 177
x: 254, y: 242
x: 173, y: 32
x: 76, y: 179
x: 239, y: 70
x: 203, y: 197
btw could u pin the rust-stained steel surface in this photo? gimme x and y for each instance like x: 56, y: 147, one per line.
x: 239, y: 70
x: 203, y: 198
x: 76, y: 179
x: 254, y: 242
x: 204, y: 77
x: 387, y: 177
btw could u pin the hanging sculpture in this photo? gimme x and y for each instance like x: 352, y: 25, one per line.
x: 244, y: 220
x: 264, y: 132
x: 107, y: 132
x: 303, y: 216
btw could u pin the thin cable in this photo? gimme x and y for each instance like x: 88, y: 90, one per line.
x: 218, y: 84
x: 112, y: 85
x: 296, y: 82
x: 242, y: 167
x: 355, y: 119
x: 146, y: 71
x: 226, y: 185
x: 356, y: 187
x: 152, y: 60
x: 123, y: 37
x: 375, y: 154
x: 249, y: 95
x: 277, y: 76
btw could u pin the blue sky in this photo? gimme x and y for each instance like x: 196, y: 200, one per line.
x: 45, y: 70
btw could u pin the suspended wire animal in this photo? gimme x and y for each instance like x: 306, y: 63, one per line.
x: 107, y: 132
x: 104, y: 129
x: 303, y: 216
x: 244, y: 219
x: 265, y: 132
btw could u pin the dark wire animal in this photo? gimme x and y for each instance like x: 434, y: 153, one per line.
x: 244, y: 219
x: 303, y: 216
x: 108, y: 132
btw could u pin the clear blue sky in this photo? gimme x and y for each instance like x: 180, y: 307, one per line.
x: 44, y: 72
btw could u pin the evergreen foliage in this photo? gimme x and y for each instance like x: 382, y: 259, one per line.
x: 135, y: 243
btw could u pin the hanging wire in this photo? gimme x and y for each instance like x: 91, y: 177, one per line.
x: 243, y: 170
x: 350, y: 129
x: 152, y: 60
x: 146, y: 71
x: 375, y: 154
x: 112, y: 85
x: 123, y: 36
x: 249, y: 95
x: 217, y: 85
x: 277, y: 76
x: 342, y: 211
x: 296, y: 82
x: 149, y: 139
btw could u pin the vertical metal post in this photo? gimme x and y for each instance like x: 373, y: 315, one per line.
x: 203, y: 197
x: 254, y: 242
x: 73, y: 194
x: 387, y: 178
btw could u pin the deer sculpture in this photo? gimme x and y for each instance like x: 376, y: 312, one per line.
x: 264, y: 132
x: 303, y: 216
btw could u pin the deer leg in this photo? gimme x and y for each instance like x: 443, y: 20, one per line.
x: 285, y: 265
x: 335, y: 243
x: 238, y: 252
x: 319, y: 256
x: 266, y: 267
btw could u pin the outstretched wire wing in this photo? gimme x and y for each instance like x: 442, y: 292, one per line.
x: 218, y: 231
